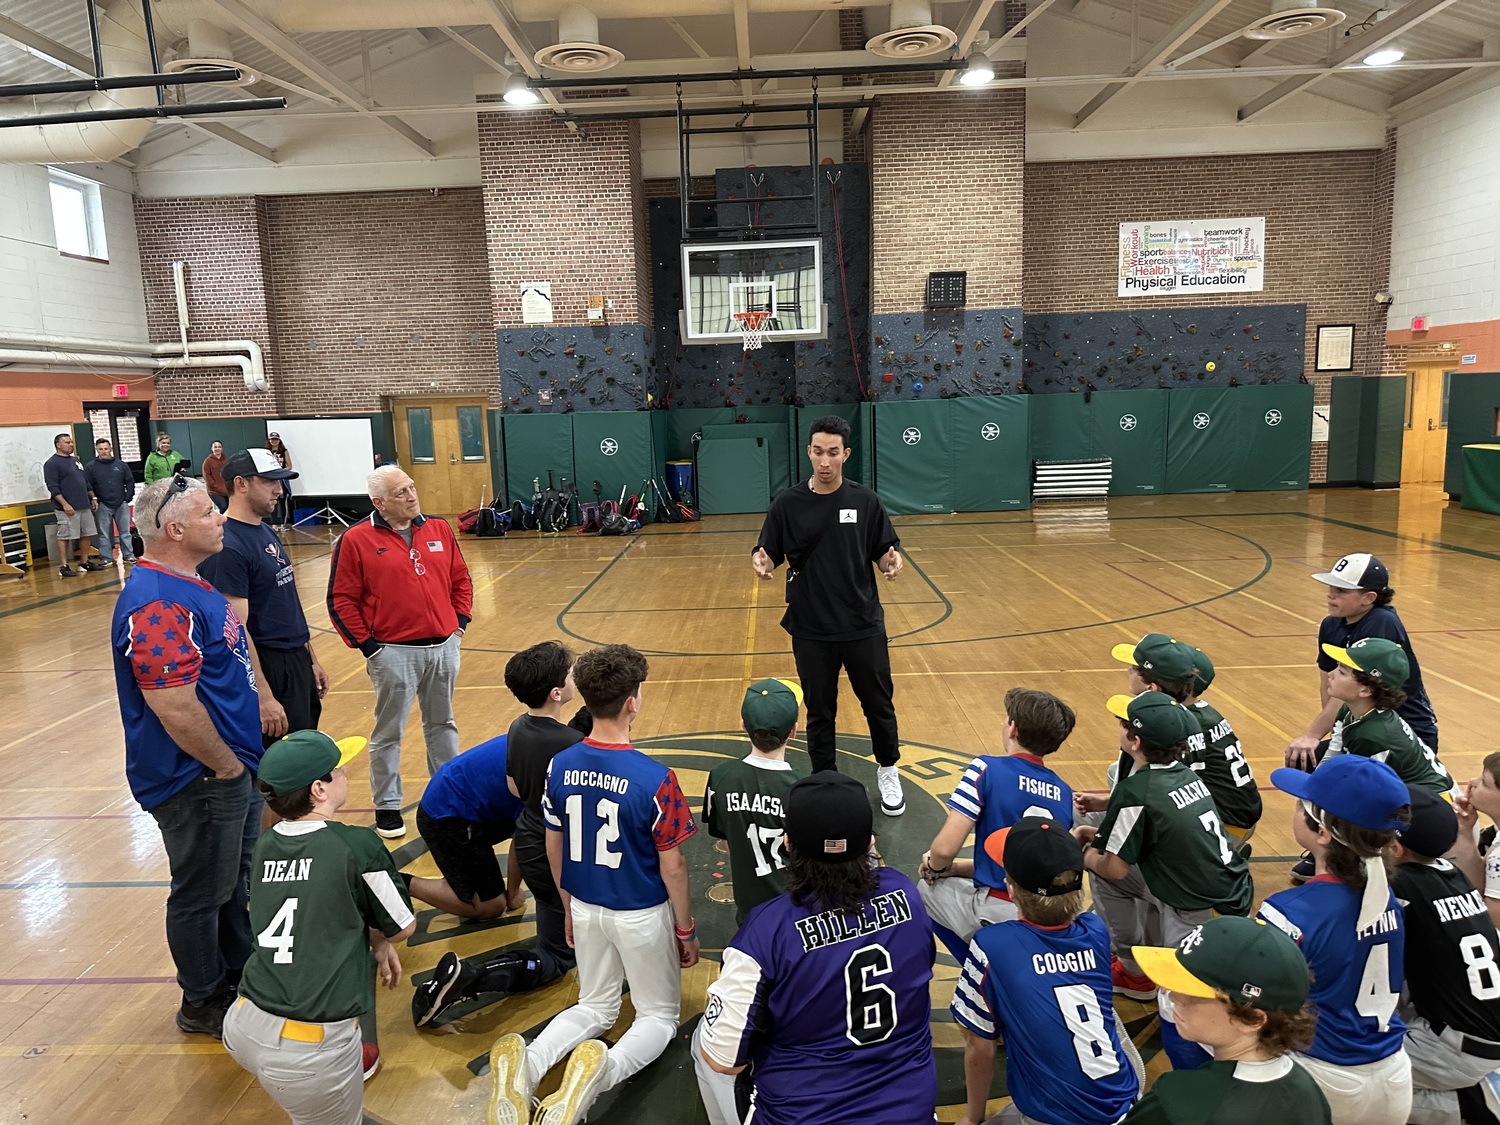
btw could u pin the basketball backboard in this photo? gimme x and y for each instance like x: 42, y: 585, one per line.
x: 784, y: 279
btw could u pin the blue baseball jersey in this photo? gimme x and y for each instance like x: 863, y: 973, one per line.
x: 831, y: 1010
x: 616, y: 809
x: 1047, y: 991
x: 472, y: 786
x: 995, y: 792
x: 1356, y: 977
x: 170, y: 631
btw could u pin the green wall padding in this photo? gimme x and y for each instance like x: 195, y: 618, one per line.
x: 1130, y: 428
x: 990, y: 437
x: 1204, y: 439
x: 913, y: 461
x: 495, y: 436
x: 734, y: 475
x: 778, y: 446
x: 1382, y: 430
x: 860, y: 466
x: 1473, y: 402
x: 680, y: 425
x: 1060, y: 429
x: 1276, y: 422
x: 628, y: 433
x: 1346, y: 398
x: 534, y: 445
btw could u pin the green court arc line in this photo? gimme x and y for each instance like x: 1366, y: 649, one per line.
x: 49, y: 884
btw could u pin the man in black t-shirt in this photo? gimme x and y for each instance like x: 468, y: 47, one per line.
x: 254, y: 573
x: 1452, y: 1012
x: 833, y: 534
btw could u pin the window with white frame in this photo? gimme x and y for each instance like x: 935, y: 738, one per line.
x: 77, y: 216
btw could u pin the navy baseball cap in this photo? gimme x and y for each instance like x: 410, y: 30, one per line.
x: 1360, y: 790
x: 1434, y: 825
x: 255, y: 463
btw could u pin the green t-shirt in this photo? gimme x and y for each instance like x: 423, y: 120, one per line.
x: 1384, y: 736
x: 158, y: 467
x: 1216, y: 756
x: 316, y: 888
x: 744, y: 805
x: 1234, y: 1093
x: 1164, y: 820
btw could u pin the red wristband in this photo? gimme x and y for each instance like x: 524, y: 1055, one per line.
x: 685, y: 933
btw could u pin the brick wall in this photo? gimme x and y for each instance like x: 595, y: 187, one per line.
x: 948, y: 195
x: 379, y: 293
x: 221, y: 240
x: 1322, y: 225
x: 567, y: 208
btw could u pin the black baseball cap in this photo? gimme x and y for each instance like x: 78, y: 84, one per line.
x: 254, y: 463
x: 1039, y: 855
x: 1434, y: 825
x: 828, y: 818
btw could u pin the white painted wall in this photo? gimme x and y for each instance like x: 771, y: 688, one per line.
x: 42, y: 292
x: 1445, y: 232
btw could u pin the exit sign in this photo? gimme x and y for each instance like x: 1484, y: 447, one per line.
x: 121, y: 390
x: 1419, y: 324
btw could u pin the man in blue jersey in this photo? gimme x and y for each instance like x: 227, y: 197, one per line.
x: 824, y: 990
x: 994, y: 793
x: 1043, y: 983
x: 616, y: 822
x: 192, y: 739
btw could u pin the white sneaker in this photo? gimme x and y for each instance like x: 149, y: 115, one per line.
x: 888, y: 781
x: 582, y: 1079
x: 510, y: 1089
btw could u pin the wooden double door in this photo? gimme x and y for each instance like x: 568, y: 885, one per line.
x: 1424, y: 448
x: 443, y: 444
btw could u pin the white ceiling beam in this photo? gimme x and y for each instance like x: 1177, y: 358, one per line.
x: 992, y: 48
x: 683, y: 34
x: 1257, y: 50
x: 483, y: 56
x: 1180, y: 32
x: 742, y: 43
x: 37, y: 45
x: 517, y: 43
x: 1401, y: 20
x: 238, y: 140
x: 1466, y: 85
x: 279, y: 43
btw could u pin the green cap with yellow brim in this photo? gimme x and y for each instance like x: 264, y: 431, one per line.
x: 1159, y: 655
x: 1242, y: 959
x: 1156, y: 717
x: 1376, y: 657
x: 303, y: 757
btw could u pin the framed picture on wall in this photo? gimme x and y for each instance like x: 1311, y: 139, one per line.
x: 1335, y: 348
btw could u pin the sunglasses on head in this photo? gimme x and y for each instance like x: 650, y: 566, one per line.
x: 178, y: 487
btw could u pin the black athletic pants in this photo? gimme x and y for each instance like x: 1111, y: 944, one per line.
x: 868, y: 663
x: 289, y: 673
x: 530, y: 844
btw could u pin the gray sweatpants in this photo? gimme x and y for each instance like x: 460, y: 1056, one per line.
x: 403, y: 674
x: 1439, y: 1069
x: 316, y: 1083
x: 1135, y: 916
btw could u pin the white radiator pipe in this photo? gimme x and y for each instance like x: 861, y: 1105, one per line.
x: 95, y: 359
x: 252, y: 362
x: 179, y: 282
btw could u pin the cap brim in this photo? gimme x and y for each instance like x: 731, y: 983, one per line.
x: 793, y: 687
x: 1119, y: 705
x: 350, y: 748
x: 1337, y: 580
x: 1164, y: 968
x: 1124, y: 653
x: 1342, y: 656
x: 994, y: 845
x: 1296, y: 783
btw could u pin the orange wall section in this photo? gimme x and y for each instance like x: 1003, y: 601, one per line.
x: 39, y: 397
x: 1480, y: 339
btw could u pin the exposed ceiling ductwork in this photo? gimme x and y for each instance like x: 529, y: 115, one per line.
x: 1292, y: 18
x: 578, y: 50
x: 912, y: 34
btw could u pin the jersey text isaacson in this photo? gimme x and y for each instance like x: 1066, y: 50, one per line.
x: 744, y: 806
x: 995, y: 792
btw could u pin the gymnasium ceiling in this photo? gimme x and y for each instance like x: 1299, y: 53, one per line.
x: 392, y: 106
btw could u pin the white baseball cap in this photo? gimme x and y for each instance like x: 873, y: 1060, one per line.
x: 1357, y: 572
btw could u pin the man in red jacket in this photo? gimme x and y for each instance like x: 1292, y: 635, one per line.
x: 398, y: 591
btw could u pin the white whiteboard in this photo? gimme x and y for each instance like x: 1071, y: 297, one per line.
x: 333, y: 455
x: 23, y: 450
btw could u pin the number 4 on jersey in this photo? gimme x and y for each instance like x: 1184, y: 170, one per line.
x: 278, y: 935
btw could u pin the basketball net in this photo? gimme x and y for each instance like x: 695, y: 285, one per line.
x: 752, y: 326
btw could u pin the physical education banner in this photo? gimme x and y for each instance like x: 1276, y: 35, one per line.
x: 1192, y: 256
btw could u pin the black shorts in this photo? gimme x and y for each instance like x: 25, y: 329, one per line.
x: 289, y: 674
x: 464, y: 852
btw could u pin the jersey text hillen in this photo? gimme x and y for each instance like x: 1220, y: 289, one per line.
x: 753, y: 803
x: 596, y: 780
x: 833, y: 926
x: 1040, y: 788
x: 1185, y: 795
x: 1075, y: 961
x: 286, y: 870
x: 1457, y: 907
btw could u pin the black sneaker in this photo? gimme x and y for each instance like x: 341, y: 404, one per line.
x: 205, y: 1019
x: 95, y: 564
x: 448, y: 984
x: 1303, y: 870
x: 389, y: 824
x: 67, y: 572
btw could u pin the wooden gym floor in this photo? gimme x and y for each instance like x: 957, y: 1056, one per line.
x: 987, y: 601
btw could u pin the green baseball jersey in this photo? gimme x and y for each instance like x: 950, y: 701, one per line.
x: 316, y: 888
x: 744, y: 805
x: 1234, y: 1093
x: 1163, y: 819
x: 1216, y: 756
x: 1384, y: 736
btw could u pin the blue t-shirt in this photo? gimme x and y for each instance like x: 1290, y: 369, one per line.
x: 64, y: 477
x: 1356, y: 978
x: 831, y: 1010
x: 170, y: 631
x: 472, y: 786
x: 1047, y: 992
x: 616, y: 809
x: 1384, y: 622
x: 254, y: 565
x: 995, y: 792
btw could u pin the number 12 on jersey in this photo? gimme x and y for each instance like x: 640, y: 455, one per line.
x: 607, y: 832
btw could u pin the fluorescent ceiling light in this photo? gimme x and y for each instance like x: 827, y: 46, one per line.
x: 518, y: 91
x: 980, y: 71
x: 1385, y: 56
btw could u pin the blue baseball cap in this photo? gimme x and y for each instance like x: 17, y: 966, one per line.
x: 1360, y: 790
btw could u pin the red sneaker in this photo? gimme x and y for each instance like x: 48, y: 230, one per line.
x: 371, y: 1060
x: 1129, y: 984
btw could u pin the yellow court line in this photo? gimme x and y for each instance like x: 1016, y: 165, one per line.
x: 1104, y: 617
x: 104, y: 1050
x: 1217, y: 693
x: 72, y: 716
x: 748, y: 666
x: 1446, y: 680
x: 512, y: 569
x: 1218, y: 582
